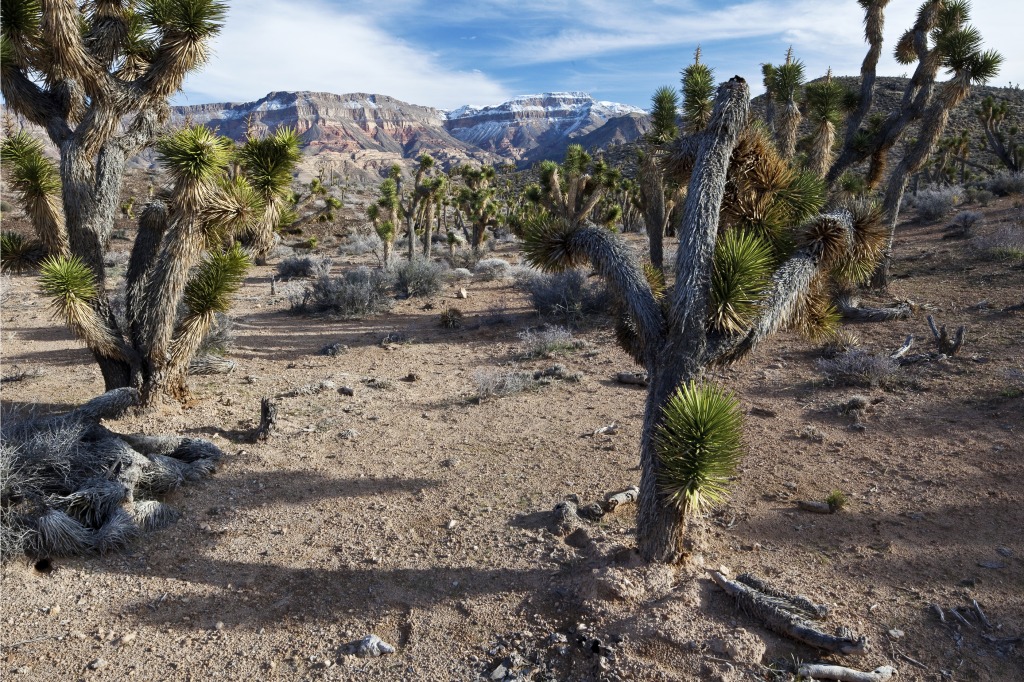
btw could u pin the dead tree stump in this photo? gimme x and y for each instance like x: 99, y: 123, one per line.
x: 268, y: 420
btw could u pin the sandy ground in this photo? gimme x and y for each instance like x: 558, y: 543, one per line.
x: 416, y: 514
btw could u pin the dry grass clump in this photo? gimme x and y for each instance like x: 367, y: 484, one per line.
x: 857, y: 367
x: 418, y: 278
x: 934, y: 203
x: 1006, y: 243
x: 492, y: 268
x: 303, y: 267
x: 1006, y: 183
x: 356, y: 293
x: 361, y: 243
x: 504, y: 381
x: 548, y: 341
x: 962, y: 225
x: 565, y: 296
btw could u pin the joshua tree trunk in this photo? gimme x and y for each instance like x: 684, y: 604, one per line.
x: 652, y: 194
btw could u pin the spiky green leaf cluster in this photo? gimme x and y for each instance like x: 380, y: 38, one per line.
x: 195, y: 154
x: 67, y: 277
x: 547, y: 245
x: 787, y: 79
x: 699, y: 446
x: 18, y: 254
x: 216, y: 280
x: 698, y: 87
x: 664, y: 113
x: 743, y: 267
x: 268, y: 162
x: 27, y: 168
x: 826, y: 100
x: 194, y: 19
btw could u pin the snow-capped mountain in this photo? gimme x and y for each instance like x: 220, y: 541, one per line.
x: 365, y: 133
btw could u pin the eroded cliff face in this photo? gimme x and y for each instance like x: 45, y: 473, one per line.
x: 364, y: 134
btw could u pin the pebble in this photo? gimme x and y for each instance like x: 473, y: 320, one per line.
x: 462, y: 294
x: 371, y: 646
x: 499, y: 672
x: 896, y: 634
x: 98, y: 664
x: 219, y: 625
x: 54, y: 610
x: 452, y: 524
x: 127, y: 638
x: 347, y: 390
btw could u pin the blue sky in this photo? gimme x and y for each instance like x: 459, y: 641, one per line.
x: 449, y: 53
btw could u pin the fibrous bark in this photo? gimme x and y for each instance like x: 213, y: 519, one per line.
x: 786, y: 615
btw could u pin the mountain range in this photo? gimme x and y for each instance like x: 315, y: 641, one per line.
x: 362, y: 135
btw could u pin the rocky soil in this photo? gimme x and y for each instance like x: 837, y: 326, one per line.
x: 414, y: 513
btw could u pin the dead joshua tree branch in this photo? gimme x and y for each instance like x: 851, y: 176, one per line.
x: 268, y: 420
x: 787, y: 616
x: 851, y: 309
x: 947, y: 346
x: 616, y: 500
x: 821, y: 671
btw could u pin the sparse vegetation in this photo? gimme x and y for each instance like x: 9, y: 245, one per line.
x: 489, y: 269
x: 452, y: 318
x: 565, y: 296
x: 302, y: 267
x: 418, y: 278
x: 858, y: 367
x: 1006, y: 183
x: 354, y: 293
x: 1006, y: 243
x: 935, y: 203
x: 548, y: 341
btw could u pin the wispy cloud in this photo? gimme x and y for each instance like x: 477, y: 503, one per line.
x: 269, y: 45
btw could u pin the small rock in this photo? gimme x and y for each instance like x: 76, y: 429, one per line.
x: 462, y: 294
x: 53, y: 610
x: 23, y: 670
x: 995, y: 565
x: 219, y: 625
x: 499, y: 673
x: 1005, y: 551
x: 896, y: 634
x: 347, y: 390
x: 791, y: 485
x: 411, y: 377
x: 452, y: 524
x: 127, y: 638
x: 371, y: 646
x: 348, y: 434
x: 98, y: 664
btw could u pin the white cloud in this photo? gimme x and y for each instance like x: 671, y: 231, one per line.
x: 269, y: 45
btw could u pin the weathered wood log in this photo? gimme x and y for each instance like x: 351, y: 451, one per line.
x: 795, y: 602
x: 628, y: 496
x: 815, y: 506
x: 268, y: 420
x: 981, y: 614
x: 946, y: 345
x: 902, y: 350
x: 821, y: 671
x: 632, y: 378
x: 851, y: 309
x: 784, y: 617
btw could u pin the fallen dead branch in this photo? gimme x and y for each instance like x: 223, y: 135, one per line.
x: 615, y: 500
x: 851, y: 309
x: 787, y: 615
x: 821, y: 671
x: 633, y: 378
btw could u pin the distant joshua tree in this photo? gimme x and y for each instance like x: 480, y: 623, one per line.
x: 737, y: 281
x: 941, y: 38
x: 96, y: 77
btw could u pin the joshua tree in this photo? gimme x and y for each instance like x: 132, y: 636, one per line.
x: 571, y: 191
x: 698, y: 94
x: 416, y: 198
x: 1003, y: 143
x: 389, y: 201
x: 173, y: 292
x: 96, y: 77
x: 477, y: 201
x: 768, y: 78
x: 941, y: 38
x: 656, y: 200
x: 824, y: 101
x: 435, y: 190
x: 787, y: 80
x: 727, y: 297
